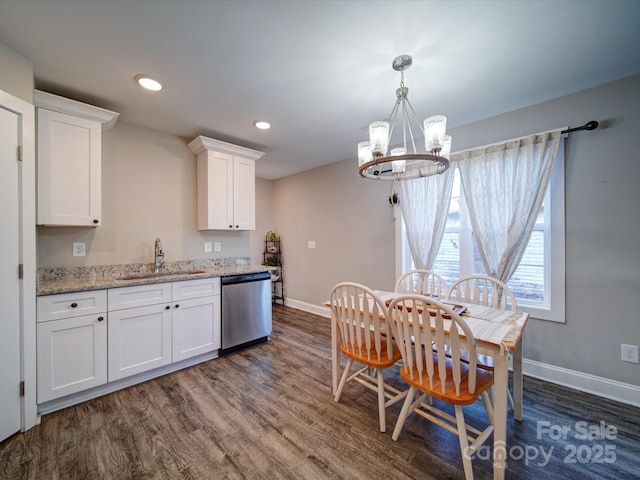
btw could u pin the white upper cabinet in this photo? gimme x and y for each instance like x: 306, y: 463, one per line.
x: 69, y: 160
x: 226, y: 185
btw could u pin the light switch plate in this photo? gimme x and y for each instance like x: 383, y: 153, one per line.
x: 311, y: 244
x: 78, y: 249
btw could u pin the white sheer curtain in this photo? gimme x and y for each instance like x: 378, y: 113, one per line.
x: 504, y: 187
x: 425, y: 204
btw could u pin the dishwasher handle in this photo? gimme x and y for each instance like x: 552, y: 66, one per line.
x: 246, y: 277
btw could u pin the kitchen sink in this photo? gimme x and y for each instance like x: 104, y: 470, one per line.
x: 142, y: 276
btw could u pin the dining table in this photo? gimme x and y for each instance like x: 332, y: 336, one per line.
x: 497, y: 333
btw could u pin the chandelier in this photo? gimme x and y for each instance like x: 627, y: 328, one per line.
x: 374, y: 160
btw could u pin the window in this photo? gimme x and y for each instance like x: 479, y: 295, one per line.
x: 538, y: 283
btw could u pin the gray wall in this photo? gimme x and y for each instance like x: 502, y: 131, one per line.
x: 349, y: 217
x: 148, y: 191
x: 16, y: 74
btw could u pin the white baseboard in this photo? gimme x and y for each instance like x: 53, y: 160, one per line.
x: 600, y: 386
x: 308, y: 307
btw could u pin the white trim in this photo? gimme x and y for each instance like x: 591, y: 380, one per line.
x: 584, y: 382
x: 26, y: 111
x: 200, y: 144
x: 77, y: 109
x: 309, y: 307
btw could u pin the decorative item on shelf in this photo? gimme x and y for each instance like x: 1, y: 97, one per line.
x: 271, y: 236
x: 273, y: 258
x: 272, y: 261
x: 373, y: 160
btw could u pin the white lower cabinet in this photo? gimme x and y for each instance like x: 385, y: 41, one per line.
x: 139, y: 340
x: 139, y: 329
x: 72, y: 349
x: 88, y: 339
x: 196, y: 327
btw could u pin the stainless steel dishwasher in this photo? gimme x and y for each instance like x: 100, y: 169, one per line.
x: 246, y: 310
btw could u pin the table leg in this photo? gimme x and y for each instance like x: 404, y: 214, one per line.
x: 500, y: 378
x: 335, y: 357
x: 517, y: 382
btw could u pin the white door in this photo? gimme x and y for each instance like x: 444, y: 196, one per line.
x: 10, y: 291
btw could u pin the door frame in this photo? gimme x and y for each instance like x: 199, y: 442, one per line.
x: 27, y: 173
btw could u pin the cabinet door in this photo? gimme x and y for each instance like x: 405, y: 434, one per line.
x: 244, y: 194
x: 196, y: 327
x: 69, y: 175
x: 72, y: 355
x: 215, y: 191
x: 139, y: 340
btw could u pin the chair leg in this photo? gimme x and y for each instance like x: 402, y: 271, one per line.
x: 510, y: 399
x: 488, y: 406
x: 381, y: 400
x: 464, y: 443
x: 343, y: 380
x: 403, y: 413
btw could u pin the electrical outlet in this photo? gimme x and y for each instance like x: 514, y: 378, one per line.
x: 207, y: 247
x: 217, y: 246
x: 629, y: 353
x: 311, y: 244
x: 78, y: 249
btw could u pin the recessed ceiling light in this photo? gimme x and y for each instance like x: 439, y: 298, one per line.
x: 145, y: 81
x: 262, y: 125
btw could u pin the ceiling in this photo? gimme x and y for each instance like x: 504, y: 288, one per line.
x: 318, y: 70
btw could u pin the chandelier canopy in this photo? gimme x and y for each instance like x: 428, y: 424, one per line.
x: 374, y: 160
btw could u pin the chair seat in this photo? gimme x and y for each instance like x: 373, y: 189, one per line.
x: 371, y: 359
x: 484, y: 380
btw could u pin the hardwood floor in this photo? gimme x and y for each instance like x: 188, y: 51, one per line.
x: 267, y: 413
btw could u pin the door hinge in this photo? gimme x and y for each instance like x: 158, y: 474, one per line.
x: 20, y: 152
x: 22, y: 388
x: 20, y: 271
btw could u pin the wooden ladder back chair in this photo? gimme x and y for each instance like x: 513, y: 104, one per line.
x: 361, y: 319
x: 487, y: 291
x: 431, y: 338
x: 482, y: 290
x: 421, y: 281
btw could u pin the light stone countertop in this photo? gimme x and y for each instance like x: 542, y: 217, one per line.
x: 79, y: 279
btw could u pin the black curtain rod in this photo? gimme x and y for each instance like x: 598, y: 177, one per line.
x: 592, y: 125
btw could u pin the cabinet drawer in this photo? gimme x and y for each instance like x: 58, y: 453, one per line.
x: 139, y: 296
x: 195, y: 288
x: 67, y: 305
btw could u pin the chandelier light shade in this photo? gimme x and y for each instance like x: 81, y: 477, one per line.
x: 364, y: 153
x: 374, y: 159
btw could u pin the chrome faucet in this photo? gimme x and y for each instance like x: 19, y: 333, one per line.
x: 158, y: 256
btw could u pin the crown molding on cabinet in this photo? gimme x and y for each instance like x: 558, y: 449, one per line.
x: 78, y: 109
x: 200, y: 144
